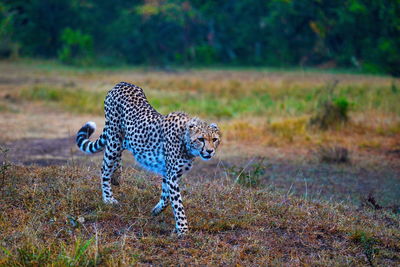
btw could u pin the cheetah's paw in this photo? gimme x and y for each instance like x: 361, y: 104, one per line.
x: 110, y: 200
x: 157, y: 210
x: 180, y: 232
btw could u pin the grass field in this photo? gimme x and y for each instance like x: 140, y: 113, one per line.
x: 281, y: 191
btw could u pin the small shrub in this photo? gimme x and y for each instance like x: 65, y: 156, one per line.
x: 249, y: 175
x: 30, y: 256
x: 79, y: 257
x: 342, y: 105
x: 332, y: 112
x: 367, y: 242
x: 333, y: 154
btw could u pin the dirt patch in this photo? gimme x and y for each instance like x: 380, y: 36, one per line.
x: 43, y: 152
x: 302, y: 177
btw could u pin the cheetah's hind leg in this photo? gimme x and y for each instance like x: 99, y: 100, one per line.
x: 112, y: 157
x: 116, y: 176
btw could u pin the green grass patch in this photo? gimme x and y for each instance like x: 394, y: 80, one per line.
x: 75, y: 100
x: 75, y: 254
x: 206, y: 104
x: 228, y: 98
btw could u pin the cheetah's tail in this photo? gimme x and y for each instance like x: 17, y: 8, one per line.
x: 83, y: 142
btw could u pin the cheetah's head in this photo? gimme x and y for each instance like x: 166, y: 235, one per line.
x: 202, y: 139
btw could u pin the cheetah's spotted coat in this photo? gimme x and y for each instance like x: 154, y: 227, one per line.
x: 166, y: 145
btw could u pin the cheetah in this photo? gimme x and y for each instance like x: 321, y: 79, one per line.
x: 163, y: 144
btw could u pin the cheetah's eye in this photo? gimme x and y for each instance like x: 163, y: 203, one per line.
x: 201, y: 139
x: 215, y: 140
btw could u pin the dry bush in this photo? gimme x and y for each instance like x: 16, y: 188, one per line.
x: 333, y: 154
x: 249, y: 175
x: 333, y: 111
x: 288, y: 129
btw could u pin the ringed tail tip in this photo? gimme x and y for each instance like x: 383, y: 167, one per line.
x: 91, y: 124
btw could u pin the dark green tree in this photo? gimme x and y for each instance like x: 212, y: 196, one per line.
x: 362, y: 34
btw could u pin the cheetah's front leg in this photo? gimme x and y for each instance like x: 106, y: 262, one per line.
x: 164, y: 200
x: 181, y: 224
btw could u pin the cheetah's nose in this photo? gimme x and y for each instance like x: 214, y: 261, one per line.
x: 209, y: 151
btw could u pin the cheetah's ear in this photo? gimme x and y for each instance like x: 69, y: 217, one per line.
x: 214, y: 126
x: 192, y: 122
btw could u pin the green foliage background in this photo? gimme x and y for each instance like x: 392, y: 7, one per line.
x: 363, y: 34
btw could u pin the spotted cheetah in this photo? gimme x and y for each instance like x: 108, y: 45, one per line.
x: 166, y: 145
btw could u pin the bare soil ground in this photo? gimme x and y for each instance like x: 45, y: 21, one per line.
x: 284, y: 170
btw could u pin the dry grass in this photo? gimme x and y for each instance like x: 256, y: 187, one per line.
x: 267, y: 106
x: 249, y: 215
x: 54, y: 216
x: 271, y: 108
x: 333, y: 154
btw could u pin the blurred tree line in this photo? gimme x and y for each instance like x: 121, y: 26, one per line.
x: 364, y: 34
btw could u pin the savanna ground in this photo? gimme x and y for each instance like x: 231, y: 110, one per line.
x: 282, y: 191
